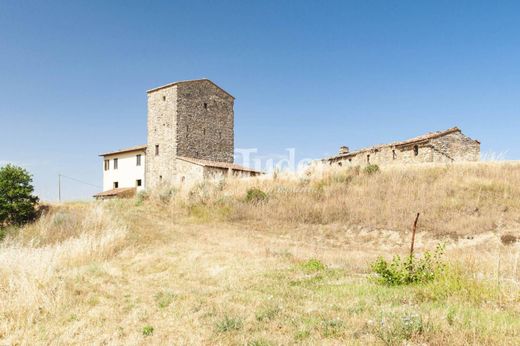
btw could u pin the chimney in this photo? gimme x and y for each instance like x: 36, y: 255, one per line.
x: 343, y: 150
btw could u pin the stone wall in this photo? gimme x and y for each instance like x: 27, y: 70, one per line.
x: 162, y: 129
x: 205, y: 122
x: 455, y: 147
x: 451, y: 147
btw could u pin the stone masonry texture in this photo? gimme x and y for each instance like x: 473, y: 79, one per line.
x: 193, y: 119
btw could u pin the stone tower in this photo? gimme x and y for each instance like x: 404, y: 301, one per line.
x: 189, y: 119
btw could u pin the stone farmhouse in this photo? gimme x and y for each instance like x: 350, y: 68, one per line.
x: 190, y: 138
x: 444, y: 146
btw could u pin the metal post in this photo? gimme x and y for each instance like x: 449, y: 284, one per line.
x: 59, y: 188
x: 413, y: 234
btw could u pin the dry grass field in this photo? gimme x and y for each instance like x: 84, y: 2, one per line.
x: 210, y: 266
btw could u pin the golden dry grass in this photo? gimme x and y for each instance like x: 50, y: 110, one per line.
x: 204, y: 266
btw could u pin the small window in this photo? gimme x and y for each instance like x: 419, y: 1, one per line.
x: 368, y: 159
x: 156, y: 149
x: 164, y: 98
x: 116, y: 184
x: 138, y: 182
x: 160, y: 178
x: 220, y: 135
x: 107, y: 165
x: 187, y: 130
x: 204, y: 131
x: 416, y: 150
x: 115, y: 163
x: 205, y: 105
x: 138, y: 160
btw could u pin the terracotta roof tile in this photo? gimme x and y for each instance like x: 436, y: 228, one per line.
x: 217, y: 164
x: 116, y: 192
x: 125, y: 150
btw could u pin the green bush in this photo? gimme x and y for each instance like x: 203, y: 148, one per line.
x: 17, y: 203
x: 313, y: 265
x: 371, y: 169
x: 409, y: 270
x: 255, y: 195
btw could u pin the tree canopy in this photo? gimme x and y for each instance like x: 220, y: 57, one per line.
x: 17, y: 202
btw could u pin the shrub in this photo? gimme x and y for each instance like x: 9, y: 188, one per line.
x: 313, y: 265
x: 371, y: 169
x: 255, y: 195
x: 409, y: 270
x: 147, y: 330
x: 17, y: 203
x: 229, y: 324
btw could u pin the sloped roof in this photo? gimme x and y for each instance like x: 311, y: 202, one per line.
x: 217, y: 164
x: 412, y: 141
x: 122, y: 191
x: 125, y: 150
x: 187, y: 81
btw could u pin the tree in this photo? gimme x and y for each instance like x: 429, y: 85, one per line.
x: 17, y: 203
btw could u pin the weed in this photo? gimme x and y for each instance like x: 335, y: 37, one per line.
x: 267, y: 314
x: 229, y: 324
x: 331, y: 328
x: 411, y: 269
x: 371, y: 169
x: 255, y: 195
x: 394, y: 328
x: 147, y: 330
x: 259, y: 342
x: 313, y: 265
x: 164, y: 299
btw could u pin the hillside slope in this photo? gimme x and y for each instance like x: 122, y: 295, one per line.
x: 209, y: 265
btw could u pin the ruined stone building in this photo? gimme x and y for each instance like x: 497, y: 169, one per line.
x: 444, y: 146
x: 190, y: 138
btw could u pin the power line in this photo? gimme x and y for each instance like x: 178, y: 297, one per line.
x: 80, y: 181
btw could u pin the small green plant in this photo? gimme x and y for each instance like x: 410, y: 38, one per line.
x: 259, y: 342
x: 164, y: 299
x: 313, y: 265
x: 267, y: 314
x: 141, y: 197
x: 371, y: 169
x: 411, y: 269
x: 255, y: 195
x: 229, y: 324
x: 394, y: 328
x: 331, y: 328
x: 147, y: 330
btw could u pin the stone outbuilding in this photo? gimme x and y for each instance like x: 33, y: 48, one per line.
x: 443, y: 146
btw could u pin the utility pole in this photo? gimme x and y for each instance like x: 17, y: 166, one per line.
x: 59, y: 187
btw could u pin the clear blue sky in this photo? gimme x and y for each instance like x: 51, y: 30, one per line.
x: 312, y: 75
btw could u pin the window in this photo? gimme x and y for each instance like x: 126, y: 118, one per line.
x: 368, y: 159
x: 220, y: 135
x: 164, y: 98
x: 205, y: 105
x: 138, y: 160
x: 116, y: 184
x: 138, y: 182
x: 115, y: 163
x: 107, y: 165
x: 204, y: 132
x: 160, y: 178
x: 156, y: 149
x: 416, y: 150
x: 187, y: 129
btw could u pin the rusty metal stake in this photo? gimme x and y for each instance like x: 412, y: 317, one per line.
x: 413, y: 234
